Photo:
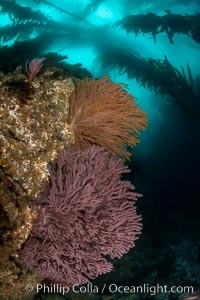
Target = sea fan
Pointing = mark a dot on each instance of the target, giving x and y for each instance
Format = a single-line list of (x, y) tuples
[(85, 212), (103, 114)]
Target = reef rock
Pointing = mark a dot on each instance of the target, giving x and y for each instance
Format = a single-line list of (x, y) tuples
[(33, 130)]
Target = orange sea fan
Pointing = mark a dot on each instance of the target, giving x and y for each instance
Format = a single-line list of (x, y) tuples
[(102, 113)]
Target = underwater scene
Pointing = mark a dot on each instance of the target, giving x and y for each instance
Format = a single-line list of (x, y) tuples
[(99, 150)]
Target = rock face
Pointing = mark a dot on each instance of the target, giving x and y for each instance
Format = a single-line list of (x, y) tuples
[(33, 130), (33, 127)]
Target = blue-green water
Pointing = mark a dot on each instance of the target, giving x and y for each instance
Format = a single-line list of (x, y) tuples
[(165, 165)]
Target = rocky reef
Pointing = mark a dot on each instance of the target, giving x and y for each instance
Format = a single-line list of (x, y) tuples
[(33, 130), (42, 117)]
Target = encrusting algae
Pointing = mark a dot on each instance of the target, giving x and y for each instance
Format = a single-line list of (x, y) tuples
[(33, 126), (33, 130), (16, 223)]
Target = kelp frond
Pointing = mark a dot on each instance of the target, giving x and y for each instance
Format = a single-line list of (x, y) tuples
[(170, 23), (157, 74)]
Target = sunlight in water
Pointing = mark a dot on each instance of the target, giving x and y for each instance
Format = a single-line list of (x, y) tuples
[(5, 20), (104, 12)]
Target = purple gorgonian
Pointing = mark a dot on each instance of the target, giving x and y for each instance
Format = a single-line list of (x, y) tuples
[(33, 67)]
